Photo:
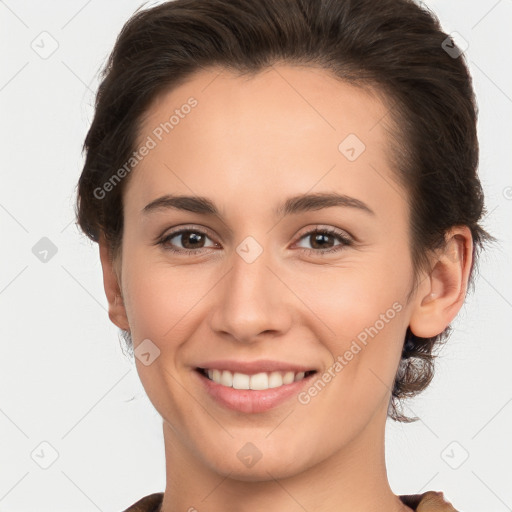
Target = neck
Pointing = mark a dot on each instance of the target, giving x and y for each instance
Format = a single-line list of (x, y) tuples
[(353, 478)]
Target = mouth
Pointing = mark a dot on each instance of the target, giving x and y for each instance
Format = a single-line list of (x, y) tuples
[(251, 393), (256, 382)]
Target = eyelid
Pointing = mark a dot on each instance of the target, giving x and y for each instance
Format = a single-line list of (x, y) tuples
[(331, 229), (186, 227)]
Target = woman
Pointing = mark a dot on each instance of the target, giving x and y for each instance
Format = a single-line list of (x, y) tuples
[(321, 156)]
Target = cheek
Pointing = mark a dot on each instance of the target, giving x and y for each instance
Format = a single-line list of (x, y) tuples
[(347, 300), (160, 298), (160, 303), (361, 315)]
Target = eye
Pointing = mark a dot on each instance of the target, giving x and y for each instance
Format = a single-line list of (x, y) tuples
[(192, 240), (321, 240)]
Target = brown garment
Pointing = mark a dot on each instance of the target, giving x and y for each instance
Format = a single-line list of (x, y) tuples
[(430, 501)]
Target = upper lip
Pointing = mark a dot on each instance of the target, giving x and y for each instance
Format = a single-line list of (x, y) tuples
[(252, 367)]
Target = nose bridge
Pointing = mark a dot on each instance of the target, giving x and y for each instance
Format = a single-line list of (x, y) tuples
[(250, 273), (251, 299)]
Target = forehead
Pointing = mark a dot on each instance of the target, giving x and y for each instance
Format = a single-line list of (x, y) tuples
[(285, 130)]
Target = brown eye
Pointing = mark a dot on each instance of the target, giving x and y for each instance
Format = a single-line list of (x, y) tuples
[(191, 241), (321, 240), (324, 241)]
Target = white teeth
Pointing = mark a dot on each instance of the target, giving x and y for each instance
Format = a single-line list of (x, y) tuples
[(258, 381), (275, 380), (226, 379), (241, 381), (288, 377), (299, 376)]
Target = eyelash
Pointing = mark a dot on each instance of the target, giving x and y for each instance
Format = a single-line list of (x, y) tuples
[(345, 241)]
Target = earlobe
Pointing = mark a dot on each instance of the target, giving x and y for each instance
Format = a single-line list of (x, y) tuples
[(116, 308), (441, 294)]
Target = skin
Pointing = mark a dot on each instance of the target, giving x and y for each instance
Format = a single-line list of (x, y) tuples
[(250, 143)]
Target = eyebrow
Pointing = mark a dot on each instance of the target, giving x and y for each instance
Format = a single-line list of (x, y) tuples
[(292, 205)]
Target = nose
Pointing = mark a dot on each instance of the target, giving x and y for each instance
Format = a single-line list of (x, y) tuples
[(252, 301)]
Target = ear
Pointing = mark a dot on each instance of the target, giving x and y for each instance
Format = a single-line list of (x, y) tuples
[(116, 308), (441, 294)]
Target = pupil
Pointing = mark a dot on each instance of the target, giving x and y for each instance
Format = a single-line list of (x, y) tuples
[(318, 238), (196, 237)]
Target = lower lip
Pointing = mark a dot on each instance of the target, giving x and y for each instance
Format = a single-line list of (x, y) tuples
[(248, 400)]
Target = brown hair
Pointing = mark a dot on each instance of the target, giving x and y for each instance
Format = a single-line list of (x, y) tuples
[(396, 48)]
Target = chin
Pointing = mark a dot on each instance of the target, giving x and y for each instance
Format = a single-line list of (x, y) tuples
[(260, 472), (251, 464)]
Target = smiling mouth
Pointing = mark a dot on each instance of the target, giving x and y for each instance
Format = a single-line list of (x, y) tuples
[(257, 381)]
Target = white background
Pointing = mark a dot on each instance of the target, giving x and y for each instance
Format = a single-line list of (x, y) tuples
[(63, 377)]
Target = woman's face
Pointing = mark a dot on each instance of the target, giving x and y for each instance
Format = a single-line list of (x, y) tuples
[(257, 279)]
